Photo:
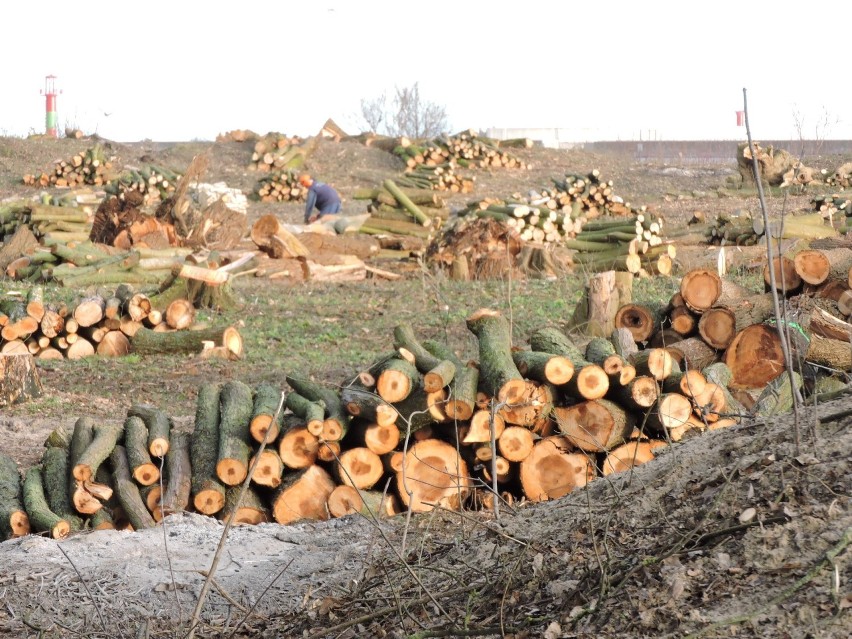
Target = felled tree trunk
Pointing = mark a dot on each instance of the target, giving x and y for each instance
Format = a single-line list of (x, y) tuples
[(208, 493), (14, 521), (594, 426), (498, 375), (303, 495), (433, 473), (19, 379), (235, 405)]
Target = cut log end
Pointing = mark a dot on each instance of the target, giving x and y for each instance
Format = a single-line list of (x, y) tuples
[(231, 471), (146, 474)]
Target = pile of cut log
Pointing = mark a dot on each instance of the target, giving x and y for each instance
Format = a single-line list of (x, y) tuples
[(466, 149), (423, 427), (281, 186), (90, 166), (402, 211), (442, 177), (109, 324), (278, 151), (155, 183), (237, 135), (741, 228), (60, 220)]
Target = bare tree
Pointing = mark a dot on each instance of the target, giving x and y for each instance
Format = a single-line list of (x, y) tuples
[(407, 114)]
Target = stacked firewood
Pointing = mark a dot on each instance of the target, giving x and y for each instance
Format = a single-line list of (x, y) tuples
[(711, 320), (237, 135), (842, 176), (402, 211), (741, 228), (277, 151), (440, 177), (59, 221), (155, 183), (106, 324), (87, 167), (281, 186), (835, 207), (466, 149)]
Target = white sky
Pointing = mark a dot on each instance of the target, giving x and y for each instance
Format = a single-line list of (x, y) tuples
[(604, 69)]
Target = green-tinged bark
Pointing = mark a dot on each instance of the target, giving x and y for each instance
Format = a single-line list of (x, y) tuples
[(159, 426), (142, 467), (336, 420), (208, 493), (55, 474), (14, 521), (42, 519), (266, 418), (235, 410), (104, 438), (128, 492), (498, 375)]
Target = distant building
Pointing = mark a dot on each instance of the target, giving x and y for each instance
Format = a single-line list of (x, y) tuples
[(556, 138)]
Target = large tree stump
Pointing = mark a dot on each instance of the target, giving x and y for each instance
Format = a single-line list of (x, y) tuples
[(603, 295), (19, 379)]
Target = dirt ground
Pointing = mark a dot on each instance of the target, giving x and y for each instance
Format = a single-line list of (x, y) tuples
[(742, 532)]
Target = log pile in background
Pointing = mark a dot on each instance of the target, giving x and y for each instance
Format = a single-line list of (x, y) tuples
[(110, 324), (277, 151), (402, 211), (466, 149), (281, 186), (742, 228), (51, 220), (155, 183), (237, 135), (91, 166)]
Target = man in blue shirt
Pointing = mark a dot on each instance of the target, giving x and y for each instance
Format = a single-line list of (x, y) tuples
[(320, 195)]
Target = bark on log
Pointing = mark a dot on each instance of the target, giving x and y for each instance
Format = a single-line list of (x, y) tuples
[(396, 380), (178, 476), (142, 468), (589, 380), (312, 413), (498, 375), (462, 401), (159, 426), (104, 438), (41, 518), (55, 473), (149, 342), (235, 409), (552, 470), (128, 492), (544, 367), (639, 319), (19, 379), (14, 521), (336, 421), (208, 493), (266, 418), (694, 353)]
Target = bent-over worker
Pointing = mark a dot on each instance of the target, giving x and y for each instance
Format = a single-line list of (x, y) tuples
[(320, 195)]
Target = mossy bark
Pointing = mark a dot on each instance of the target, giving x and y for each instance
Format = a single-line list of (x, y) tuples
[(104, 438), (311, 412), (159, 426), (235, 410), (498, 375), (208, 493), (265, 417), (128, 492), (142, 467), (336, 420), (178, 475), (56, 473), (14, 521), (462, 400), (42, 519)]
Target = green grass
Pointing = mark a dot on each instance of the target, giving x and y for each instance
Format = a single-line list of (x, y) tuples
[(327, 332)]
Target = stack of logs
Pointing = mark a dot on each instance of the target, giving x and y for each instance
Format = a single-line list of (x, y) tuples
[(67, 220), (87, 167), (155, 183), (560, 212), (466, 149), (419, 428), (741, 228), (711, 320), (277, 151), (402, 211), (107, 324), (281, 186)]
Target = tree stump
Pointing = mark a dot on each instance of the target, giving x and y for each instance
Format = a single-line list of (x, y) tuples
[(19, 379)]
